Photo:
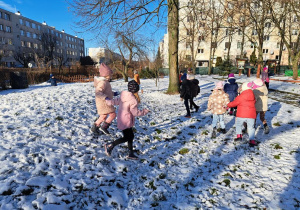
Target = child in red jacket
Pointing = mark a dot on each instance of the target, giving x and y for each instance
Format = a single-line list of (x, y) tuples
[(246, 112)]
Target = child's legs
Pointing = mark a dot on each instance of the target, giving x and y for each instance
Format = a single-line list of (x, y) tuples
[(215, 120), (111, 117), (222, 124), (238, 124), (186, 103), (100, 119), (250, 128), (262, 116), (127, 136)]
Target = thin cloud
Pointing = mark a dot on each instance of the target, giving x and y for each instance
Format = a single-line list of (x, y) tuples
[(7, 6)]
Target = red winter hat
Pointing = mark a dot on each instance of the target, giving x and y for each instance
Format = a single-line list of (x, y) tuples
[(105, 70)]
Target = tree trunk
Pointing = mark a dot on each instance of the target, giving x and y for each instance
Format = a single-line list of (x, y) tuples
[(259, 62), (125, 74), (173, 25), (295, 66)]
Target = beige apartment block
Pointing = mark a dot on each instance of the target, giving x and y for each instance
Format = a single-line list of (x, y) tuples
[(19, 34), (197, 39)]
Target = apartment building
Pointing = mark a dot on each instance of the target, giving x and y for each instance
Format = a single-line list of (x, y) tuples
[(24, 37), (197, 39)]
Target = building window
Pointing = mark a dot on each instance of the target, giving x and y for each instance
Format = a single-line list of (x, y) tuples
[(29, 44), (6, 16), (8, 29), (254, 32), (239, 45), (22, 33), (278, 45), (227, 45), (201, 38), (268, 25), (277, 57), (22, 43), (189, 18), (295, 18), (242, 19), (39, 27), (21, 21), (188, 32), (200, 50), (28, 34), (253, 45), (213, 45), (9, 41), (294, 32), (188, 57), (266, 38), (227, 31), (27, 23), (1, 27), (188, 44), (35, 46), (34, 36), (265, 51), (33, 25), (2, 40)]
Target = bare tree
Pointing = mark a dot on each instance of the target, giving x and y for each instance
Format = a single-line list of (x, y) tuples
[(100, 14), (286, 16), (215, 16), (129, 46), (258, 16), (24, 57), (192, 24)]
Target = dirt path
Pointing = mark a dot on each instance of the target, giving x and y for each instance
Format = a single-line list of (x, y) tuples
[(285, 97)]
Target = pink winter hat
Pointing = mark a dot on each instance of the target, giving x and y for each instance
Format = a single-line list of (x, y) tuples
[(105, 70), (231, 75), (219, 85), (265, 69)]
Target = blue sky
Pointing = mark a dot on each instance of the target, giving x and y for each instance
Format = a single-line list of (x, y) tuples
[(53, 12), (56, 13)]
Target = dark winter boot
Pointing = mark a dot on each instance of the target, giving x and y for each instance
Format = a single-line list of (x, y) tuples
[(214, 133), (266, 128), (239, 137), (108, 149), (223, 130), (197, 108), (95, 129), (252, 143), (104, 126)]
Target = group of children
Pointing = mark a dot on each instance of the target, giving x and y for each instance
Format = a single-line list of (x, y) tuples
[(128, 109), (249, 100), (245, 102)]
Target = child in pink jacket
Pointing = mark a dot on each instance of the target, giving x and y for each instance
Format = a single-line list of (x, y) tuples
[(128, 110), (102, 91)]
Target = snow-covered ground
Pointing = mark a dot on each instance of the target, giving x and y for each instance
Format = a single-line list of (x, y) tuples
[(50, 160)]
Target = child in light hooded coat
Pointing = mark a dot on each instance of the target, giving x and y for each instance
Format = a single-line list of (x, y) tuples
[(103, 90), (128, 110)]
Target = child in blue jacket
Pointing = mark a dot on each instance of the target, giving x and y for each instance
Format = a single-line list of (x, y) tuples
[(231, 88)]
